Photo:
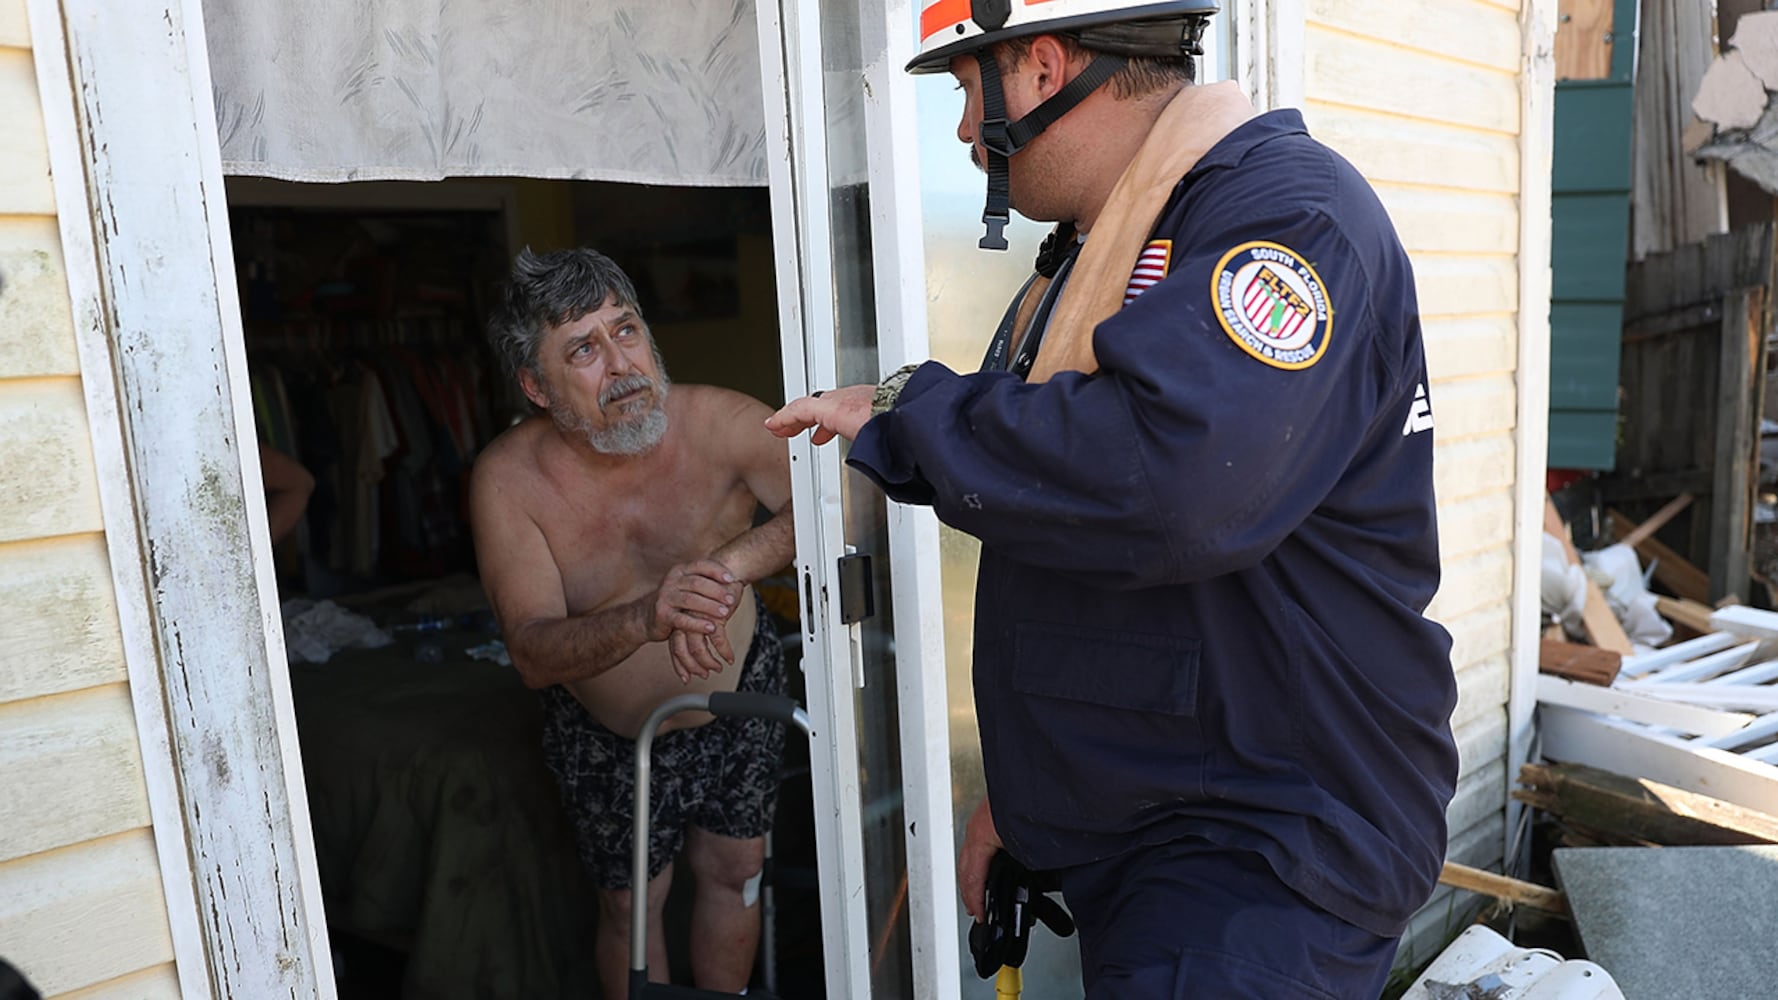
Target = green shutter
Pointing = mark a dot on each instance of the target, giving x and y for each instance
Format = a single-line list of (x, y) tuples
[(1589, 245)]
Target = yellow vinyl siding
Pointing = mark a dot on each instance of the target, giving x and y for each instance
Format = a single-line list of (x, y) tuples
[(84, 914), (1425, 99), (71, 769), (39, 336), (48, 485), (157, 983), (24, 162), (15, 33), (82, 910), (61, 614)]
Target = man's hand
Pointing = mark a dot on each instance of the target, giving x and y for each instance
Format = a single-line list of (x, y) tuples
[(689, 610), (836, 412), (980, 841)]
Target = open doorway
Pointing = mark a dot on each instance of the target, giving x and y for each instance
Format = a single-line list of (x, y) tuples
[(446, 862)]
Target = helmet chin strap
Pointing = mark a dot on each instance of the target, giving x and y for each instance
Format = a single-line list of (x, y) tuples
[(1001, 139)]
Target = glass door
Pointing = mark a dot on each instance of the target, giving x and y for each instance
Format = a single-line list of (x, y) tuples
[(839, 127)]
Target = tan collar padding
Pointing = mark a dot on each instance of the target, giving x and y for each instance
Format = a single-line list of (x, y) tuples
[(1196, 119)]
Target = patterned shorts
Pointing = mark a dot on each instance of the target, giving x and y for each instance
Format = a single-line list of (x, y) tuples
[(721, 776)]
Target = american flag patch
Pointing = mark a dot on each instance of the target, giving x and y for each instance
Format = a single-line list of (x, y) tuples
[(1151, 266)]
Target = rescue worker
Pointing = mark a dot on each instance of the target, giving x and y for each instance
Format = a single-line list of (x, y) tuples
[(1199, 460)]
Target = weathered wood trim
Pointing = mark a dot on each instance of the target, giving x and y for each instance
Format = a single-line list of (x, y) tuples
[(1537, 123), (1269, 52), (1740, 384), (139, 197), (75, 217)]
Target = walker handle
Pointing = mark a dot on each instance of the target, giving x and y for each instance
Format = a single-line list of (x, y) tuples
[(754, 703)]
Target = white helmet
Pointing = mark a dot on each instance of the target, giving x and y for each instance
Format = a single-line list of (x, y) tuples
[(957, 27), (1113, 30)]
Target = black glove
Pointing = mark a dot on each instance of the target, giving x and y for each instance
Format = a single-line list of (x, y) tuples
[(1015, 901)]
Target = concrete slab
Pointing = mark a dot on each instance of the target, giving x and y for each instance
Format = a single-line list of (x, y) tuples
[(1670, 922)]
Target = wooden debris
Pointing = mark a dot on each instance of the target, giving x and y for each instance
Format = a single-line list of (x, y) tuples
[(1587, 664), (1656, 521), (1597, 620), (1671, 569), (1682, 611), (1642, 704), (1750, 622), (1504, 888), (1630, 809)]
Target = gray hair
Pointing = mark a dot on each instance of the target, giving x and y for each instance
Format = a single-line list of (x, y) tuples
[(548, 290)]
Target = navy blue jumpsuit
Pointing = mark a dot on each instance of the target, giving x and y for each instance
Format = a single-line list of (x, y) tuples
[(1200, 654)]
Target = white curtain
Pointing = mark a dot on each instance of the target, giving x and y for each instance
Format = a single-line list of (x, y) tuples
[(649, 91)]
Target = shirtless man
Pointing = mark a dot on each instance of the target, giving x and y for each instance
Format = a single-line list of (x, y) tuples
[(615, 542)]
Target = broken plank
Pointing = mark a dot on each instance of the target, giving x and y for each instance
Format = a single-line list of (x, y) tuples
[(1671, 570), (1639, 808), (1587, 664), (1742, 620), (1503, 887), (1579, 737), (1638, 706), (1645, 663), (1681, 611), (1753, 698), (1657, 520), (1701, 668)]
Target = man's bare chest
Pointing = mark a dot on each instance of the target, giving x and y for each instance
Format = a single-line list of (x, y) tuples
[(614, 546)]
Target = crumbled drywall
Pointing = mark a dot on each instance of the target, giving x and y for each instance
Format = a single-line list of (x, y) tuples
[(1738, 120)]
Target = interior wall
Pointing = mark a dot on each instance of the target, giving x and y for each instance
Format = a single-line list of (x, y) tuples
[(702, 263), (337, 277)]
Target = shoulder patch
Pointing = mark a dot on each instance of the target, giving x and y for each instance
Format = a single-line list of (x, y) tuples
[(1151, 267), (1272, 304)]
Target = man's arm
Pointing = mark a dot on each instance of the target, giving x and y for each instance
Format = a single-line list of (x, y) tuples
[(287, 489), (764, 466), (1183, 457), (546, 643)]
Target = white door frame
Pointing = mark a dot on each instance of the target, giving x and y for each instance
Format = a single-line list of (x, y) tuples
[(138, 178), (793, 82), (898, 249), (796, 157), (1267, 60), (1537, 129)]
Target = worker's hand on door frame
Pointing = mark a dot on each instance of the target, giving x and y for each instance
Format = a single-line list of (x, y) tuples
[(980, 841), (835, 412)]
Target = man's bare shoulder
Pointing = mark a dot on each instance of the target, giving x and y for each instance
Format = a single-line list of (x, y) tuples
[(714, 408), (513, 456)]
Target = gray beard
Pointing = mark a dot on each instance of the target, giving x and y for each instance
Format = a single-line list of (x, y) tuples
[(633, 438), (625, 439)]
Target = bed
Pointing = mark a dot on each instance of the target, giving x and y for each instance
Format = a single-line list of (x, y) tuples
[(437, 827)]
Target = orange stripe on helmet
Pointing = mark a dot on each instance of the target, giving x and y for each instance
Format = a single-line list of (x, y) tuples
[(942, 14)]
